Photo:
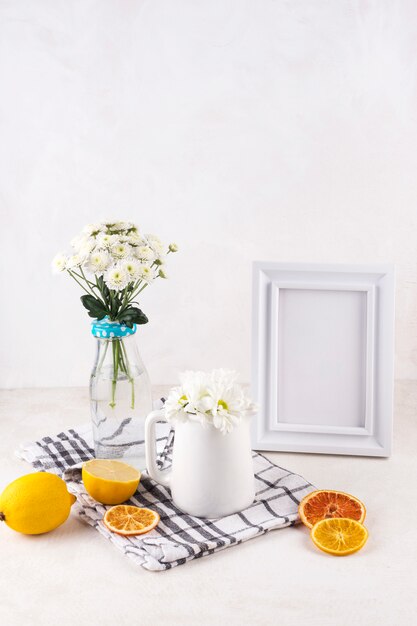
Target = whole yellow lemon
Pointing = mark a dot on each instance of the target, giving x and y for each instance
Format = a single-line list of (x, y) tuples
[(109, 481), (36, 503)]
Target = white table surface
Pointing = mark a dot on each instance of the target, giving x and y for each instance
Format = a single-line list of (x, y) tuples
[(74, 576)]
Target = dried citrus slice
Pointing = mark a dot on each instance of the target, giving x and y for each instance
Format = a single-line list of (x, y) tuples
[(109, 481), (327, 504), (339, 535), (130, 520)]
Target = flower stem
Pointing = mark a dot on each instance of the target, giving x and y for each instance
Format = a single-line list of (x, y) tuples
[(121, 362), (102, 358), (92, 286), (129, 374), (136, 289), (80, 284), (115, 347)]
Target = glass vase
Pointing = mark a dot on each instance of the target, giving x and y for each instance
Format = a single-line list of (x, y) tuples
[(120, 395)]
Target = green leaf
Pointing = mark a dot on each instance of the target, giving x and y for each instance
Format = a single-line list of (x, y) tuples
[(94, 307), (103, 288), (132, 315)]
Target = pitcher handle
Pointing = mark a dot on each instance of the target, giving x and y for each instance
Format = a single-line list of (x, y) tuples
[(161, 477)]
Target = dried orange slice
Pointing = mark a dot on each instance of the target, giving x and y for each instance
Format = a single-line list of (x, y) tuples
[(124, 519), (339, 536), (327, 504)]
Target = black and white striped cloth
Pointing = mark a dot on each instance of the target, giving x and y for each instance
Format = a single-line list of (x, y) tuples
[(179, 537)]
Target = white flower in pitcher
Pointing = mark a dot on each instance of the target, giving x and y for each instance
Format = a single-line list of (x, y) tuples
[(196, 388), (59, 263), (211, 398), (230, 402), (224, 419), (176, 406), (173, 247), (116, 278), (98, 262)]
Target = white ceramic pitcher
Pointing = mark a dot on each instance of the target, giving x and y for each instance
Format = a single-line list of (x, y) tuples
[(212, 474)]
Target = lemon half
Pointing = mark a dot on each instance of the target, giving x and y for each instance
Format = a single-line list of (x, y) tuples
[(109, 481)]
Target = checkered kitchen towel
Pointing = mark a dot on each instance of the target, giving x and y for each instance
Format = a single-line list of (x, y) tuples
[(179, 537)]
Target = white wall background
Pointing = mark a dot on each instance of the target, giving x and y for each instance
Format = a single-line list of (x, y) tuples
[(256, 129)]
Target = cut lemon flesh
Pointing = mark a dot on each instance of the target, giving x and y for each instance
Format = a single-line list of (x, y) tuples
[(111, 470), (327, 504), (130, 520), (339, 536), (109, 481)]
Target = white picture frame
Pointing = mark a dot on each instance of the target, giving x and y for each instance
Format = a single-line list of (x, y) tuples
[(323, 358)]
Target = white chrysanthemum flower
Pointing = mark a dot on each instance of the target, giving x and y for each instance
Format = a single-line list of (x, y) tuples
[(117, 227), (104, 240), (145, 253), (92, 230), (74, 261), (145, 273), (135, 239), (176, 406), (196, 388), (213, 398), (225, 421), (98, 262), (132, 268), (154, 238), (83, 245), (190, 401), (156, 244), (120, 250), (86, 248), (78, 241), (116, 278), (230, 402), (59, 263)]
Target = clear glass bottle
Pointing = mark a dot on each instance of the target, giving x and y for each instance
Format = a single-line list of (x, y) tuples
[(120, 395)]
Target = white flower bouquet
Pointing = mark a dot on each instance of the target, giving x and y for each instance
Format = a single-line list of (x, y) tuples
[(209, 398), (113, 263)]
